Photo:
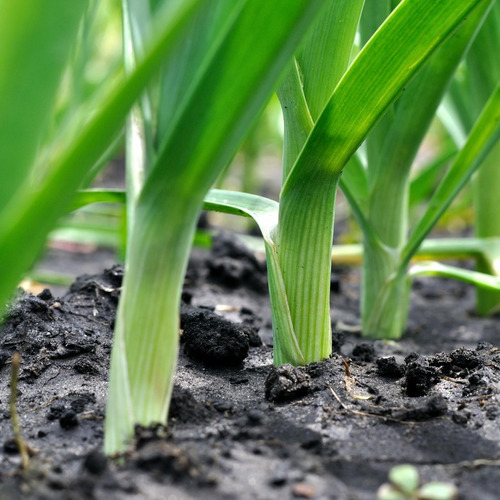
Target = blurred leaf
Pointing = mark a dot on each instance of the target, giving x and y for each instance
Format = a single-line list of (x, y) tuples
[(482, 138), (438, 491), (405, 477), (36, 37)]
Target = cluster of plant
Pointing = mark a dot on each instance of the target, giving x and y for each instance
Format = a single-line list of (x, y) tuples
[(359, 83)]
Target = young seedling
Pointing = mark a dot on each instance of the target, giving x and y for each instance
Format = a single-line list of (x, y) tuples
[(404, 485)]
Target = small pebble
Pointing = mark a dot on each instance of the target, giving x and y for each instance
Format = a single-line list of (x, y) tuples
[(303, 490)]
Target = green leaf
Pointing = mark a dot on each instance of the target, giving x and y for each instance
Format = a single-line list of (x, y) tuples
[(262, 210), (389, 492), (33, 212), (36, 37), (354, 184), (90, 196), (482, 138), (326, 53), (311, 79), (405, 477), (265, 214), (438, 491), (424, 182), (430, 268)]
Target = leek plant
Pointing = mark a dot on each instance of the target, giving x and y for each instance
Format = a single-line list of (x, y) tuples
[(329, 109), (469, 91), (382, 210), (182, 133)]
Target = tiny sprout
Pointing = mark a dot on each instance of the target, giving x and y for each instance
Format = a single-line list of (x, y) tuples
[(404, 481)]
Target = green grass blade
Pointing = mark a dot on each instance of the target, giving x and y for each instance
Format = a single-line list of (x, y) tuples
[(486, 187), (354, 184), (139, 144), (192, 54), (482, 60), (375, 12), (262, 210), (36, 37), (297, 119), (321, 62), (482, 138), (484, 74)]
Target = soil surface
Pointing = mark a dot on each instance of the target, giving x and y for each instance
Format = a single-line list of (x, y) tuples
[(240, 428)]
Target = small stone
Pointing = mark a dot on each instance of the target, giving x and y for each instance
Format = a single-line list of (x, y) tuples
[(303, 490), (335, 284), (10, 447), (492, 412), (55, 411), (413, 356), (46, 295), (477, 378), (420, 379), (280, 476)]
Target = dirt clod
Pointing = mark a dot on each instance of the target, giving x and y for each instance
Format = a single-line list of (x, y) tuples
[(233, 264), (95, 462), (68, 419), (287, 382), (419, 379), (388, 367), (363, 352), (211, 339)]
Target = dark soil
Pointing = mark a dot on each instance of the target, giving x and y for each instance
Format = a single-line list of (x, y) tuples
[(238, 427)]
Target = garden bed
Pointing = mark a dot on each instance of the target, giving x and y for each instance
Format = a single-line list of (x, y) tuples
[(242, 429)]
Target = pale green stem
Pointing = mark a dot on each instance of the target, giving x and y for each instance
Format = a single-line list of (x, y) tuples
[(486, 195), (296, 117), (384, 298), (304, 245), (147, 325)]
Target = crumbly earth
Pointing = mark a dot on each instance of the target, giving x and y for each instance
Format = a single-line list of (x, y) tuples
[(238, 427)]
